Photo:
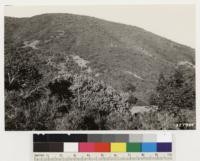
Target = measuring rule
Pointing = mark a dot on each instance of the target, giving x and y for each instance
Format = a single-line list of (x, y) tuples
[(110, 147)]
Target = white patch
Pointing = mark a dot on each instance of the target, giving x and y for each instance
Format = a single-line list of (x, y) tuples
[(133, 74), (89, 70), (139, 109), (143, 51), (142, 109), (186, 63), (146, 53), (47, 41), (97, 75), (61, 32), (113, 45), (81, 62), (31, 44)]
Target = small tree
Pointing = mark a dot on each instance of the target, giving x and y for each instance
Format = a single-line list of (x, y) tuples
[(175, 92), (21, 70)]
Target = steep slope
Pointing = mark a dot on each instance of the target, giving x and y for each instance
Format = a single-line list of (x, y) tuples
[(116, 53)]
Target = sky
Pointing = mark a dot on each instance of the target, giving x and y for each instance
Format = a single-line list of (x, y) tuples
[(175, 22)]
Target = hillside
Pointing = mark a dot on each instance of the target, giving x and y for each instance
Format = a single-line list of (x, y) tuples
[(115, 53)]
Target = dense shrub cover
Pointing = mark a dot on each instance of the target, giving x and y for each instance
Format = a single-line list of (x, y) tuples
[(175, 92), (42, 94)]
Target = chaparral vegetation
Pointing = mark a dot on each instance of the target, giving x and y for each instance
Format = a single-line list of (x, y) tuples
[(60, 76)]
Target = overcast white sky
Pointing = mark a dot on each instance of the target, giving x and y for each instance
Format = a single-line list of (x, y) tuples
[(175, 22)]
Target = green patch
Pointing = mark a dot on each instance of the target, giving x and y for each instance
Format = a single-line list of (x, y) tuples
[(133, 147)]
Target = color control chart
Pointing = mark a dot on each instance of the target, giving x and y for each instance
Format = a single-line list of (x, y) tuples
[(108, 147)]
